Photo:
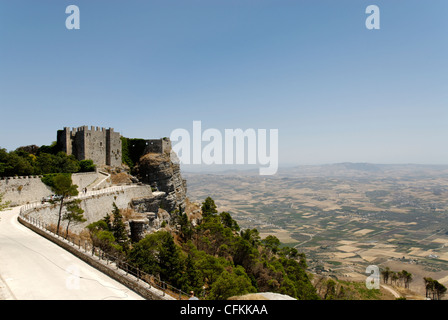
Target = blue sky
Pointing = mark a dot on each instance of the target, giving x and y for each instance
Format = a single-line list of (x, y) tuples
[(335, 90)]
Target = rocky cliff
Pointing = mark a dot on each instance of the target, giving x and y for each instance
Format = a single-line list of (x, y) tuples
[(162, 172)]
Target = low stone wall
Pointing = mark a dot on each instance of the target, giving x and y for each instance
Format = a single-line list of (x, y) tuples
[(22, 190), (85, 179), (95, 206), (27, 189), (138, 286)]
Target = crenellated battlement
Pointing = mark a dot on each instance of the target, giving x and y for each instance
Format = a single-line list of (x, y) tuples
[(101, 145), (162, 145)]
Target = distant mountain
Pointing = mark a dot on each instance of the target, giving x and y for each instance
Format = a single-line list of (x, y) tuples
[(364, 169)]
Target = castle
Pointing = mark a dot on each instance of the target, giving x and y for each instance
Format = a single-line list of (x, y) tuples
[(102, 146)]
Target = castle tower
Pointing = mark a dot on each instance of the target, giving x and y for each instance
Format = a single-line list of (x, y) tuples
[(102, 146)]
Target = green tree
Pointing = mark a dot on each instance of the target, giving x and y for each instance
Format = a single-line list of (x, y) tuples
[(212, 234), (386, 274), (272, 243), (228, 221), (434, 289), (170, 261), (429, 286), (97, 226), (330, 291), (394, 277), (407, 278), (103, 238), (64, 188), (86, 165), (208, 207), (439, 289), (186, 231), (18, 165), (67, 164), (74, 214), (230, 284), (118, 228), (191, 279), (144, 254)]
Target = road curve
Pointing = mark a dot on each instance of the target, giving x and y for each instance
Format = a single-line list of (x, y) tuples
[(34, 268), (395, 293)]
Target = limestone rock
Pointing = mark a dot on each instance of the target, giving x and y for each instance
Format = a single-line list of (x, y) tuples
[(162, 172)]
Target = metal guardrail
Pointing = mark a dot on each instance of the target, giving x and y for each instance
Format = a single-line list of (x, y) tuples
[(131, 271)]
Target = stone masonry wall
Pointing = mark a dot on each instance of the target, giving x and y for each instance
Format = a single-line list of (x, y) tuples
[(22, 190), (101, 145), (95, 207)]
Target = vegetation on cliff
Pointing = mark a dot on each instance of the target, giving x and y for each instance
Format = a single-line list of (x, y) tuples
[(214, 258), (131, 151)]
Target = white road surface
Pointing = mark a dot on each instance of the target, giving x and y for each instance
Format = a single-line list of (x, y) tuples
[(34, 268)]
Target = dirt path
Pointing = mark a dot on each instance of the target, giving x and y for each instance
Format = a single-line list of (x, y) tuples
[(395, 293)]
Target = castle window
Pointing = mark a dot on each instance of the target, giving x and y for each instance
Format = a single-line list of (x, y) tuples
[(101, 144)]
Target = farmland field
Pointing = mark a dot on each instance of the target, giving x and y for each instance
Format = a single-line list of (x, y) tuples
[(344, 216)]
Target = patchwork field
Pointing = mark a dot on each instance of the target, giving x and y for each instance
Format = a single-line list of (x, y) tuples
[(344, 216)]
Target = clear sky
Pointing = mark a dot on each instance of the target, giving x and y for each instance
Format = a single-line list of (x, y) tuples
[(335, 90)]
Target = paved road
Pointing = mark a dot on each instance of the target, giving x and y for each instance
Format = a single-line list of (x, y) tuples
[(32, 267)]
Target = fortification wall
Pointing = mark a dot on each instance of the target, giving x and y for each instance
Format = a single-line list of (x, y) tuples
[(85, 179), (158, 146), (95, 207), (101, 145), (22, 190), (113, 148), (95, 145)]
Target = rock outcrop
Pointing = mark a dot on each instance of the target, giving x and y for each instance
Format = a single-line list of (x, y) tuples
[(162, 172)]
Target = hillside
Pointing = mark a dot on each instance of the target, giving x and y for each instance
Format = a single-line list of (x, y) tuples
[(344, 217)]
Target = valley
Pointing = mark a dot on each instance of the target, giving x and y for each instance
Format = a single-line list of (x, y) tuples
[(345, 216)]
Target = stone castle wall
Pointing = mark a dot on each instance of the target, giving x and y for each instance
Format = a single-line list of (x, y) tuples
[(95, 207), (23, 190), (157, 146), (102, 146)]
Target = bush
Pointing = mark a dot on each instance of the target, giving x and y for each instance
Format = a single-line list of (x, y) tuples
[(87, 166)]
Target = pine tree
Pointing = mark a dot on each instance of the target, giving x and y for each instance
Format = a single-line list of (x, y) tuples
[(170, 261), (74, 214), (191, 278), (118, 228), (208, 207)]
